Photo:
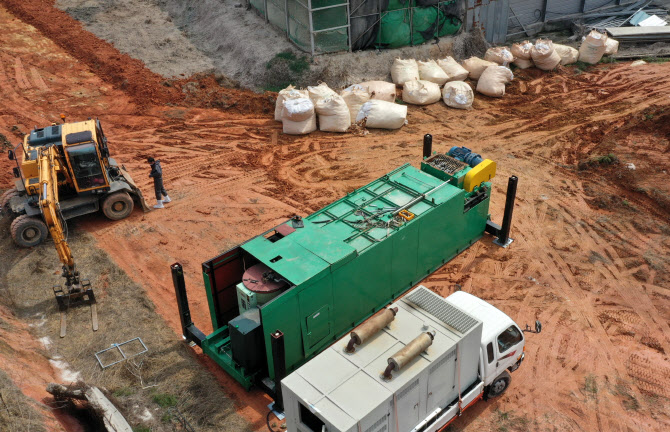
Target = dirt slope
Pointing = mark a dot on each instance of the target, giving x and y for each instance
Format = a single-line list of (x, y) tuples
[(590, 257)]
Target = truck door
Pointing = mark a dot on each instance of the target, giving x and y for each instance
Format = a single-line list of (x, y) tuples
[(509, 346)]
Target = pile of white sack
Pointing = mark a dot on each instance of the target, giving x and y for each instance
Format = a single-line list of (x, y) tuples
[(373, 101), (425, 83)]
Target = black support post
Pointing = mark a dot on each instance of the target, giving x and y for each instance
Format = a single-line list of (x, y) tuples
[(189, 330), (503, 235), (427, 145), (279, 362)]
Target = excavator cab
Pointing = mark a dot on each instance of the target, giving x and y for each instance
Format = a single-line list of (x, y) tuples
[(85, 162)]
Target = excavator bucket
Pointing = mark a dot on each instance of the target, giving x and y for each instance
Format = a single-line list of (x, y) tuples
[(136, 190), (66, 299)]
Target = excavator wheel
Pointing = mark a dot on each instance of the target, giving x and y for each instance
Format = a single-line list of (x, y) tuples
[(118, 205), (29, 231), (4, 200)]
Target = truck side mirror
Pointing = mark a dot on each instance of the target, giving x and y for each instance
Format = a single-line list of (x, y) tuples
[(10, 154), (16, 172)]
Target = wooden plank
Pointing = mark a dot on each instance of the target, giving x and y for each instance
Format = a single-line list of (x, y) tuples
[(638, 31)]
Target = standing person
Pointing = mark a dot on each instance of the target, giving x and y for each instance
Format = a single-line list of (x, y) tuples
[(157, 175)]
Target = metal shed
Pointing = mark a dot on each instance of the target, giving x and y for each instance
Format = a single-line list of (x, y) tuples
[(322, 26)]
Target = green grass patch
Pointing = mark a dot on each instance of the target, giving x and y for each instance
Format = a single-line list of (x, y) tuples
[(123, 392), (608, 60), (506, 421), (656, 59), (284, 69), (164, 400), (581, 66), (591, 385), (141, 429), (607, 159), (599, 160)]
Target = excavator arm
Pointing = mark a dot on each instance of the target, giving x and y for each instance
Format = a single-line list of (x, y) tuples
[(50, 209), (75, 291)]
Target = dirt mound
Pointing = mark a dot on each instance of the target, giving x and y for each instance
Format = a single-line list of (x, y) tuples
[(125, 73), (128, 74)]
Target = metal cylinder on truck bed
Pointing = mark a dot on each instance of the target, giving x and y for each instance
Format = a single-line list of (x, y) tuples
[(370, 328), (408, 353), (427, 145)]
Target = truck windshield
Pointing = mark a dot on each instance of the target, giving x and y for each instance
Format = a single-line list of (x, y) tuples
[(86, 166), (509, 338)]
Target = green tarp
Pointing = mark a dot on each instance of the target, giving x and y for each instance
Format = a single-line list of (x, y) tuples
[(427, 23)]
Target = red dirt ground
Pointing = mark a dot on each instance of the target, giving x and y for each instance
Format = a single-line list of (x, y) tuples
[(590, 257)]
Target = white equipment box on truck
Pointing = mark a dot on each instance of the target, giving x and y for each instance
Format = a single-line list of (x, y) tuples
[(416, 371)]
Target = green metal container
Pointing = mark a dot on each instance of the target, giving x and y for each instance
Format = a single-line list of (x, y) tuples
[(348, 261)]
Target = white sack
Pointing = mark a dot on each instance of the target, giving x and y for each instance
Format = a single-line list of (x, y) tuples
[(355, 96), (476, 66), (320, 92), (382, 115), (454, 71), (611, 46), (420, 92), (333, 114), (544, 55), (301, 127), (593, 47), (569, 55), (430, 71), (404, 70), (493, 80), (522, 50), (458, 94), (297, 110), (523, 64), (381, 90), (289, 92), (500, 55)]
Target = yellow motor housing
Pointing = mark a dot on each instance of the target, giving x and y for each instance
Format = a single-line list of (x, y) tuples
[(483, 172)]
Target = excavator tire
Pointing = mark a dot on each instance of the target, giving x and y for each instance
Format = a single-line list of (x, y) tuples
[(4, 200), (118, 205), (28, 231)]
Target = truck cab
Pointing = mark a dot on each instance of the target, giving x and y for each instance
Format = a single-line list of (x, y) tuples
[(502, 343)]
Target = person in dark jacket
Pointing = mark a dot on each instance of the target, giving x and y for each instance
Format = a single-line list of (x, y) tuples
[(157, 175)]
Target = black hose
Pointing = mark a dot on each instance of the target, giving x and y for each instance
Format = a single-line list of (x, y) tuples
[(267, 421)]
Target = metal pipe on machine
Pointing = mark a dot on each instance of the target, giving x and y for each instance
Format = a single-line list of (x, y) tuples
[(427, 145), (370, 328), (408, 353), (503, 235)]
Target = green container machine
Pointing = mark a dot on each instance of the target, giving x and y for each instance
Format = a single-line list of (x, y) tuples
[(284, 296)]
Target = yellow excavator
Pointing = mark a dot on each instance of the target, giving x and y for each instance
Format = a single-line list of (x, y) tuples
[(66, 172)]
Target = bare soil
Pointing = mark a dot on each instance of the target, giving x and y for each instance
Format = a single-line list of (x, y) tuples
[(592, 236), (176, 38)]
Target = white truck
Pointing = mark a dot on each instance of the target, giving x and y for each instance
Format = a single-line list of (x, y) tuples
[(413, 367)]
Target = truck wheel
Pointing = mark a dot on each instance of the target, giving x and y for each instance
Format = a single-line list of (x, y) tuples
[(118, 206), (4, 200), (28, 231), (499, 385)]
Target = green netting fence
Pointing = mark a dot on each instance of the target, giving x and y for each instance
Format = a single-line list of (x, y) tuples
[(322, 26)]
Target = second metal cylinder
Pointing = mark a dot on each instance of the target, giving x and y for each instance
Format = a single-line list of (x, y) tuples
[(408, 353), (427, 145)]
